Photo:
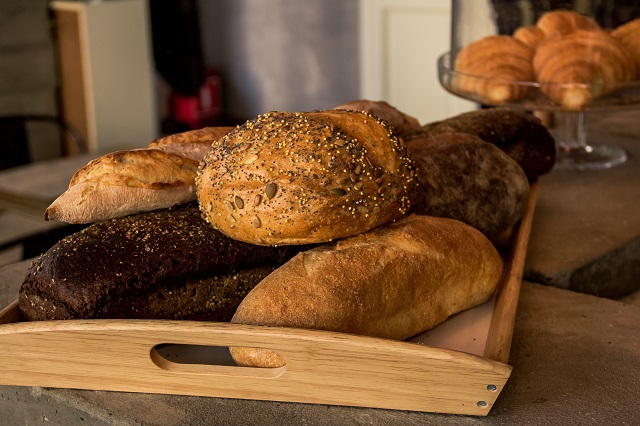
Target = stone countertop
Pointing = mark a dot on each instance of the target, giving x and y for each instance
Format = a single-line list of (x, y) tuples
[(586, 229), (30, 189)]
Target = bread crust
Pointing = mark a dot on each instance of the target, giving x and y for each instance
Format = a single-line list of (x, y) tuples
[(307, 177), (166, 264), (193, 144), (123, 183), (465, 178), (126, 182), (393, 282), (402, 123), (521, 135)]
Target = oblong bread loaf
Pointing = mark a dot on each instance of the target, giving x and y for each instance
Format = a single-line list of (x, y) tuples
[(521, 135), (393, 282), (134, 181), (193, 144), (123, 183), (403, 124), (165, 264)]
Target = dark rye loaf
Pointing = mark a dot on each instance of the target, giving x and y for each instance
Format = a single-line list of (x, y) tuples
[(465, 178), (166, 264), (519, 134)]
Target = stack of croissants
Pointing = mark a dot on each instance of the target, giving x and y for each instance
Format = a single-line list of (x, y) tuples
[(355, 219), (572, 58)]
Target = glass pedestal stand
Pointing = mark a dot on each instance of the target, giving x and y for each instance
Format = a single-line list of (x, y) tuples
[(575, 152)]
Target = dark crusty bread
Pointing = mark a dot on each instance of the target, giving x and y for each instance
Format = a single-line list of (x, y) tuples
[(163, 264), (465, 178), (308, 177), (392, 282), (402, 123), (519, 134)]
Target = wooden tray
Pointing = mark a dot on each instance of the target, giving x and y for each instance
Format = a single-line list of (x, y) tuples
[(459, 367)]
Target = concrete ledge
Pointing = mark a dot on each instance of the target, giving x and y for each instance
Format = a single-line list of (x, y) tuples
[(586, 229)]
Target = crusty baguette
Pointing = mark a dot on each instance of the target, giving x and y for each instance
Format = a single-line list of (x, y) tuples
[(125, 182), (306, 177), (393, 282)]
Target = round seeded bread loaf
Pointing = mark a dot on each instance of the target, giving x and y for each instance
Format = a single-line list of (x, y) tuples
[(298, 178)]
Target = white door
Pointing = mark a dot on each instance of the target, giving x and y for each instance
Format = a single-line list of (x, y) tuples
[(400, 42)]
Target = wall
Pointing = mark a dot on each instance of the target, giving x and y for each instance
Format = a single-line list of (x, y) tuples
[(27, 70), (282, 54)]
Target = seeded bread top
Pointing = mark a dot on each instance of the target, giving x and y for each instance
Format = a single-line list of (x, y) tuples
[(298, 178)]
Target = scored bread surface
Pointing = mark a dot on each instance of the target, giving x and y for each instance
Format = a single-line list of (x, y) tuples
[(393, 282)]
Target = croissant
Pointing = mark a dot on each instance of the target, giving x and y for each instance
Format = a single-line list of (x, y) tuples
[(561, 22), (490, 66), (629, 35), (577, 67), (530, 35)]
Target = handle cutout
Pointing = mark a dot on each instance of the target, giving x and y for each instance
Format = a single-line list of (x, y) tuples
[(205, 359)]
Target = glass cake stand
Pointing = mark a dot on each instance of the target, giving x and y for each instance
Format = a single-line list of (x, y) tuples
[(472, 20), (574, 149)]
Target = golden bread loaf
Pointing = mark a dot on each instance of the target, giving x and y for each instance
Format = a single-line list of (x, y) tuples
[(125, 182), (629, 35), (193, 144), (307, 177), (488, 67), (393, 282), (577, 67)]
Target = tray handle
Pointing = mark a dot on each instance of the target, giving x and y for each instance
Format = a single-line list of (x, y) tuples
[(322, 367)]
